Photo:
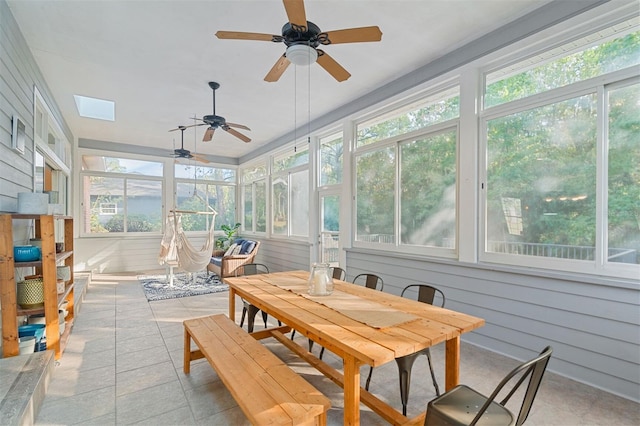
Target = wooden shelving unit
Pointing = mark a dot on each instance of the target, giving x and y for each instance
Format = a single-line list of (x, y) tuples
[(47, 267)]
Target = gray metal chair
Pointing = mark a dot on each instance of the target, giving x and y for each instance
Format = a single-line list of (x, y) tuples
[(338, 273), (370, 281), (249, 310), (463, 405), (426, 294)]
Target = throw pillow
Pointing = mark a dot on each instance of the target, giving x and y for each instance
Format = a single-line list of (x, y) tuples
[(230, 250), (247, 247), (236, 249)]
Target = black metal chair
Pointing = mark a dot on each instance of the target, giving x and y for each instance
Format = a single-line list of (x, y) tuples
[(425, 294), (338, 273), (249, 310), (370, 281), (463, 405)]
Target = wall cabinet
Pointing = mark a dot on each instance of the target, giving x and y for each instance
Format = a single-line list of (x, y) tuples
[(47, 267)]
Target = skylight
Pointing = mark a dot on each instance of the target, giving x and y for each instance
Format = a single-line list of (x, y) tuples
[(95, 108)]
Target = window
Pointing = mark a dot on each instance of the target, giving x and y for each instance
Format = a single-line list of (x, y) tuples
[(108, 208), (561, 166), (290, 194), (375, 199), (428, 190), (331, 156), (203, 189), (255, 198), (623, 160), (121, 195), (554, 68), (52, 157), (415, 167), (545, 158), (433, 110)]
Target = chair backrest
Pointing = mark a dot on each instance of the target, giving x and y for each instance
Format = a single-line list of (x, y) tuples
[(534, 370), (370, 281), (254, 268), (426, 293), (338, 273)]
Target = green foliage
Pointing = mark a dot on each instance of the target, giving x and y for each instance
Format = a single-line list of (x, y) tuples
[(135, 223), (229, 234)]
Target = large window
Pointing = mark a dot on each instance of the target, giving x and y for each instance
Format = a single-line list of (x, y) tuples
[(205, 189), (562, 166), (121, 195), (409, 158), (290, 193)]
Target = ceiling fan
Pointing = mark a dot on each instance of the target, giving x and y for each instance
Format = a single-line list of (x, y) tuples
[(302, 39), (215, 121), (185, 153)]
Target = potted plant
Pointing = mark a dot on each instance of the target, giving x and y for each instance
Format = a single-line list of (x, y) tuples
[(229, 234)]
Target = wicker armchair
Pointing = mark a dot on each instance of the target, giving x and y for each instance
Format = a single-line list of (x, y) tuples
[(226, 266)]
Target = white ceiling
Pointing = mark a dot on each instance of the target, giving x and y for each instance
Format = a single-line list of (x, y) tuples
[(155, 58)]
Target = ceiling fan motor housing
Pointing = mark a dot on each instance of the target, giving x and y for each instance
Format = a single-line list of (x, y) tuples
[(213, 120), (310, 36)]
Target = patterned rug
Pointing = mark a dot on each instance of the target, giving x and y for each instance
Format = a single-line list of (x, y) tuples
[(156, 287)]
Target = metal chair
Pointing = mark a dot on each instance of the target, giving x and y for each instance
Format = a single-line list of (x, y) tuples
[(370, 281), (463, 405), (426, 294), (248, 309), (338, 273)]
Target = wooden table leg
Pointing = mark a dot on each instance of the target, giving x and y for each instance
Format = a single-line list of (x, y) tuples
[(351, 391), (186, 367), (452, 363), (232, 304)]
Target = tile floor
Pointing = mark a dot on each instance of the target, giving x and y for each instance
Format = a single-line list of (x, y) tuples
[(123, 365)]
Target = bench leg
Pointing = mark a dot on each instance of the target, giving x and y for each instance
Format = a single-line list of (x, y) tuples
[(186, 367)]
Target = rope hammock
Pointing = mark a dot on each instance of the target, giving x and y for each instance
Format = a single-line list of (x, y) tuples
[(177, 250)]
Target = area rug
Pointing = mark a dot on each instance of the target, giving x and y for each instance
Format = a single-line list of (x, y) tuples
[(156, 287)]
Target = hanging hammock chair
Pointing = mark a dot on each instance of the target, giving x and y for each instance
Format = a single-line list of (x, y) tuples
[(177, 250)]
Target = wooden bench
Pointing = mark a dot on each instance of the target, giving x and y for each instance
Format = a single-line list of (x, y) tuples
[(265, 388)]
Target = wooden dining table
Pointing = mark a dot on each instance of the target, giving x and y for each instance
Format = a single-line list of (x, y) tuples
[(360, 325)]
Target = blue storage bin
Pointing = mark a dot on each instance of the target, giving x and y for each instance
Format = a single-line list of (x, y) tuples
[(36, 330)]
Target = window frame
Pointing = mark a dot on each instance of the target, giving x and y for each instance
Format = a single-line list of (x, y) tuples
[(599, 86), (125, 177), (431, 96), (286, 175)]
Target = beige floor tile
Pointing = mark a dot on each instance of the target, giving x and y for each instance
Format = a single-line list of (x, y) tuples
[(123, 345)]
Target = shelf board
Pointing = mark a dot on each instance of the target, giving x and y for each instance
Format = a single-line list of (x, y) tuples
[(35, 216), (37, 263)]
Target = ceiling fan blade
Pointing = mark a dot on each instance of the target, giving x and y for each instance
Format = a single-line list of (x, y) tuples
[(277, 70), (186, 127), (200, 158), (332, 67), (208, 135), (239, 126), (295, 12), (239, 35), (354, 35), (236, 134)]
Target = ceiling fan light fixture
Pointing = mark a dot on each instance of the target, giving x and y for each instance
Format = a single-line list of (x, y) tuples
[(301, 54)]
